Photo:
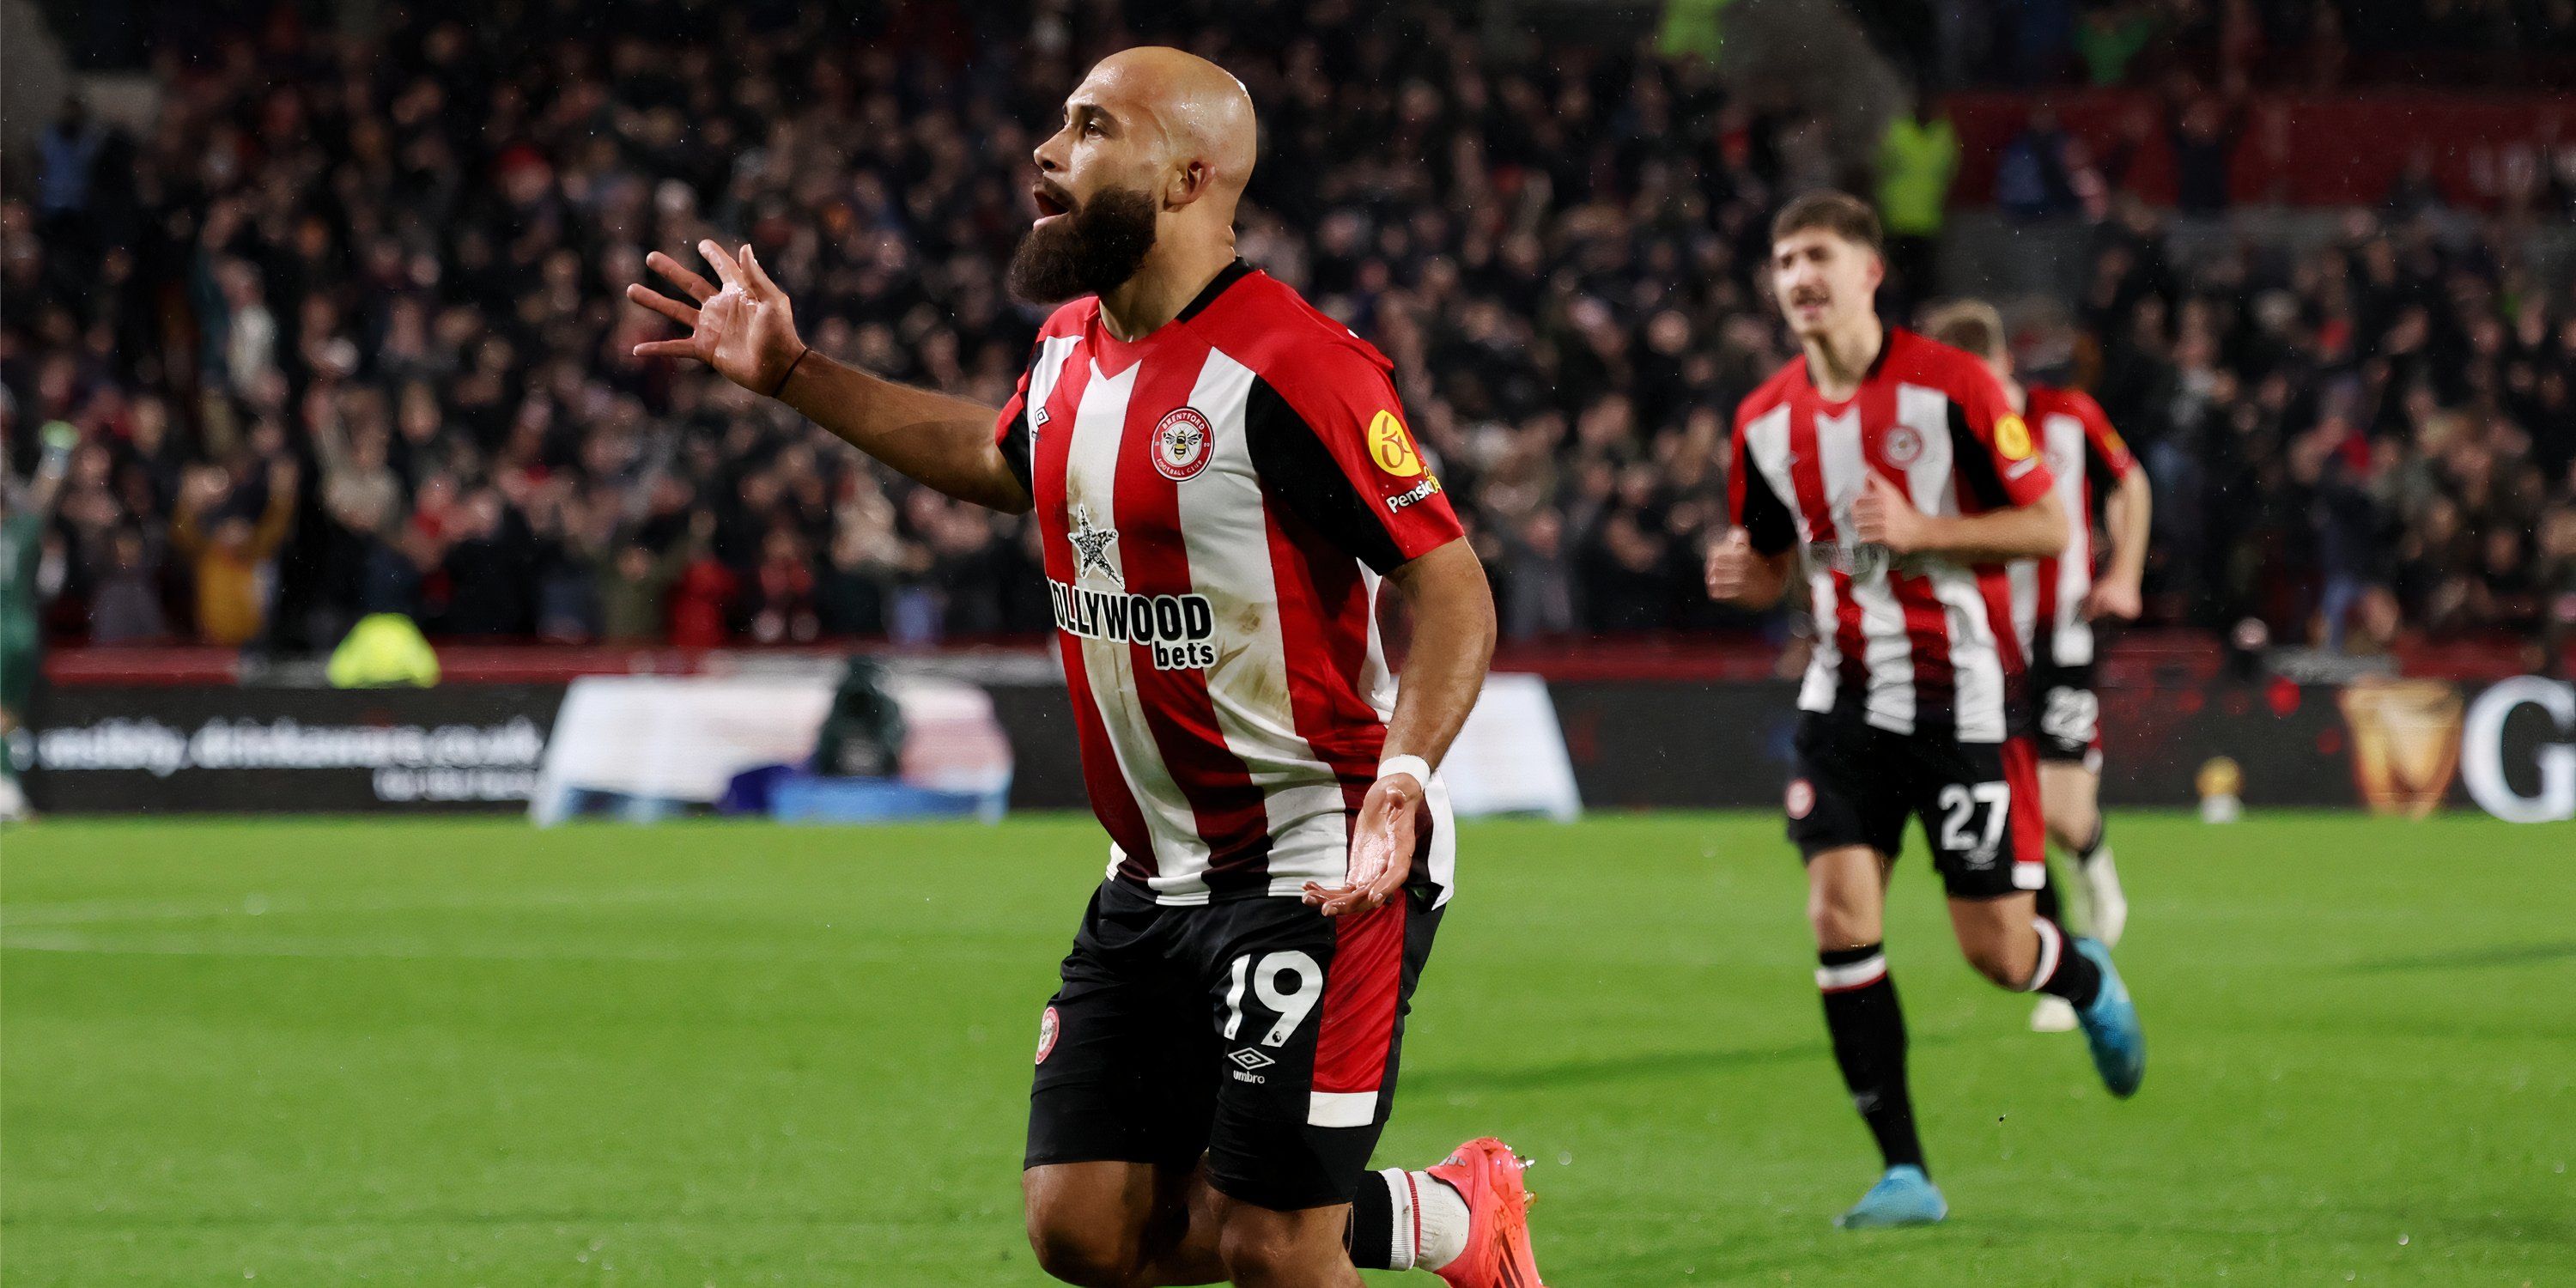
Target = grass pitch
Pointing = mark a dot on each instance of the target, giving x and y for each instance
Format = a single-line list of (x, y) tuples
[(472, 1053)]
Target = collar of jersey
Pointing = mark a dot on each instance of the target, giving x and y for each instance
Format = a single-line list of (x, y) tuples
[(1886, 345), (1114, 355)]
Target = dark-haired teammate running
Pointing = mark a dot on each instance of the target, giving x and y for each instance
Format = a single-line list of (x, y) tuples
[(1891, 468)]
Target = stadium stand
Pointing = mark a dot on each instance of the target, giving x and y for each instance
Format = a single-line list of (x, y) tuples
[(341, 332)]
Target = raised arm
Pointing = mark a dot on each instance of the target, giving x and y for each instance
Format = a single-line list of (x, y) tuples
[(52, 468), (1453, 642), (747, 332), (199, 490), (279, 518)]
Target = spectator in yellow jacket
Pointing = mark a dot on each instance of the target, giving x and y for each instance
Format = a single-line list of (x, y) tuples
[(228, 551)]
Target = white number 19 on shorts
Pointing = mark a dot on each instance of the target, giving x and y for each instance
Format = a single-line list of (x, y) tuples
[(1292, 1004)]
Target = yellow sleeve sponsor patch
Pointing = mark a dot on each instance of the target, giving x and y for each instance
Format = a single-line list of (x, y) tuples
[(1392, 448), (2012, 438)]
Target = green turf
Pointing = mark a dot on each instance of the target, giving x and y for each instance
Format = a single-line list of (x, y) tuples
[(438, 1053)]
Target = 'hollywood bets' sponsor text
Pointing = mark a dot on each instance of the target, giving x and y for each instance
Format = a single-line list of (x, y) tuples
[(1179, 629)]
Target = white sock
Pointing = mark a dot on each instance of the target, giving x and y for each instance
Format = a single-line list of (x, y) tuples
[(2110, 913), (1443, 1211), (1430, 1220), (2052, 945), (1400, 1186)]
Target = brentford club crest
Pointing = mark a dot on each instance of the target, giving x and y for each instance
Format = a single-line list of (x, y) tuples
[(1048, 1027), (1902, 446), (1801, 799), (1181, 444)]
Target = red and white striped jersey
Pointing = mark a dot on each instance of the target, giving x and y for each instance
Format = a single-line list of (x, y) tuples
[(1921, 643), (2089, 460), (1218, 501)]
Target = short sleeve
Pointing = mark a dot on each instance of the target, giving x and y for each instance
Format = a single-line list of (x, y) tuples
[(1011, 428), (1750, 502), (1329, 439), (2106, 455), (1998, 462)]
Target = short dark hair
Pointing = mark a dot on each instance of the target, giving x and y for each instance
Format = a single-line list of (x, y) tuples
[(1839, 213), (1972, 325)]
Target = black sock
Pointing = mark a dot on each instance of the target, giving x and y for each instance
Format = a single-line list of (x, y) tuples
[(1868, 1030), (1370, 1236), (2046, 901), (2062, 971)]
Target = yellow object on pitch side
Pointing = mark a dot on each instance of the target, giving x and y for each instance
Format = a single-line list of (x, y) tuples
[(382, 650)]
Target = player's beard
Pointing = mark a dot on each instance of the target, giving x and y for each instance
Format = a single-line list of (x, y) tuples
[(1094, 248)]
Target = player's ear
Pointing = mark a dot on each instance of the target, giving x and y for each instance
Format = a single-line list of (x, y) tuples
[(1189, 180), (1877, 269)]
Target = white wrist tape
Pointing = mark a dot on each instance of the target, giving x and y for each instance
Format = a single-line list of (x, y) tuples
[(1414, 765)]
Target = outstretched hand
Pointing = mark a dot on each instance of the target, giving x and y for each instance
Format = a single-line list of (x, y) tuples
[(1382, 841), (744, 329)]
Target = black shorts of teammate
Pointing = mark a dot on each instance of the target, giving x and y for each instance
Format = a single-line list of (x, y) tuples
[(2065, 722), (1258, 1032), (1856, 784)]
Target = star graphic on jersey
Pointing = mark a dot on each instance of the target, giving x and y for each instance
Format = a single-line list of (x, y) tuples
[(1091, 545)]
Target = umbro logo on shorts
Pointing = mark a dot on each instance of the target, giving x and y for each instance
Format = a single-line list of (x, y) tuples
[(1251, 1059)]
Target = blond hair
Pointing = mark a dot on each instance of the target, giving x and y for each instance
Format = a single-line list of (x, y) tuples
[(1973, 325)]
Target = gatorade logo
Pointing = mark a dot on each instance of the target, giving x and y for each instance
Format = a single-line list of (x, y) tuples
[(1391, 447), (2012, 438)]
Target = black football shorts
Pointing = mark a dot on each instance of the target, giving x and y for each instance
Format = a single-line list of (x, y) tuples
[(2065, 723), (1256, 1031), (1856, 784)]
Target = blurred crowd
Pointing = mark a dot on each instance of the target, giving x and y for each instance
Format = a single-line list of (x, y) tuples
[(2303, 44), (343, 333), (2372, 436)]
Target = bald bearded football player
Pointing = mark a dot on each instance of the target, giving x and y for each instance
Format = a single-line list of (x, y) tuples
[(1223, 479)]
